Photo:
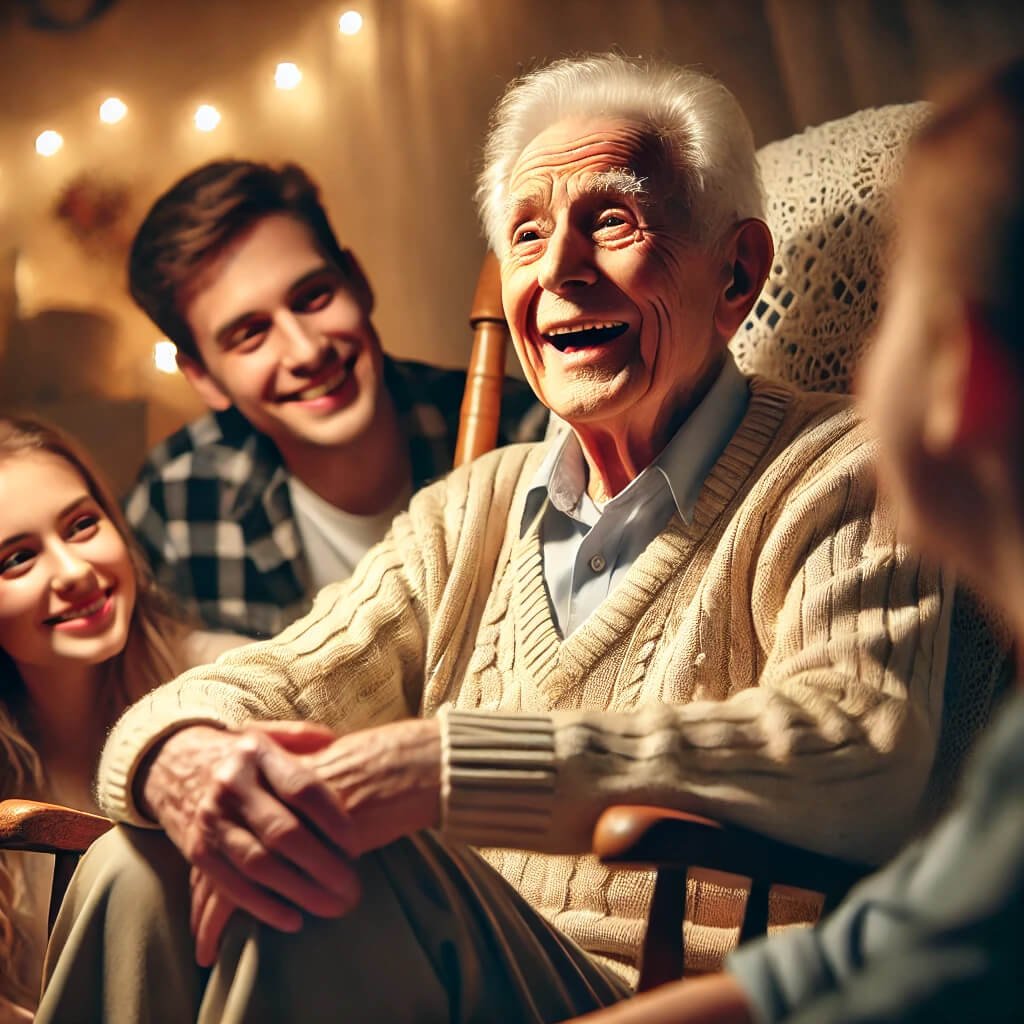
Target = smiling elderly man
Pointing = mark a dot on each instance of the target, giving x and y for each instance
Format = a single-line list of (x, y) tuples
[(695, 599)]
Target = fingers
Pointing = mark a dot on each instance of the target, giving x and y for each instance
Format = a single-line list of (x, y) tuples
[(298, 868), (248, 895), (217, 913), (246, 837), (258, 820), (299, 787), (297, 817), (211, 911), (296, 737)]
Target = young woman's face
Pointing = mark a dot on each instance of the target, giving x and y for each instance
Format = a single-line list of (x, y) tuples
[(67, 587)]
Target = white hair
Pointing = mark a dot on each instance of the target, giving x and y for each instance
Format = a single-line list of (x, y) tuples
[(706, 131)]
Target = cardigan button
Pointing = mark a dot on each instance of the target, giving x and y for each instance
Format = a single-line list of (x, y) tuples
[(597, 563)]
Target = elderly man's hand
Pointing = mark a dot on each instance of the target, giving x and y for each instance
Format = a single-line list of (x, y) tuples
[(255, 817), (387, 779)]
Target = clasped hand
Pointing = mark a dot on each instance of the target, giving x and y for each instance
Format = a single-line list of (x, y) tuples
[(272, 816)]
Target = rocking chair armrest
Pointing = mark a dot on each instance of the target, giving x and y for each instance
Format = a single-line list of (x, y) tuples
[(48, 828), (674, 841), (659, 837)]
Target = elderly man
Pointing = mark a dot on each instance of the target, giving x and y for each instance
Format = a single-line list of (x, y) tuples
[(696, 599)]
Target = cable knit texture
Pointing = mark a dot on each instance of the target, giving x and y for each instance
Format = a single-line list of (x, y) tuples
[(778, 662)]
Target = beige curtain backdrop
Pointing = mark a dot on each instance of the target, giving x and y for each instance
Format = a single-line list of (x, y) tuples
[(389, 121)]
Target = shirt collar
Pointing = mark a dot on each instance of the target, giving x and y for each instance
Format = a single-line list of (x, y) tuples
[(684, 463), (688, 457)]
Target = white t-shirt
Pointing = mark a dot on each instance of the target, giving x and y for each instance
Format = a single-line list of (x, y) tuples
[(335, 541)]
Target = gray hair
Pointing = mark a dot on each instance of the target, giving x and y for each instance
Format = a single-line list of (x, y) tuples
[(706, 131)]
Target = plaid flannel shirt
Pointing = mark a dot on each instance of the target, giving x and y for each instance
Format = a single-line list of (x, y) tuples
[(212, 510)]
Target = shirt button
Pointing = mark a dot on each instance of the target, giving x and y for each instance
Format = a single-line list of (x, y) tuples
[(597, 563)]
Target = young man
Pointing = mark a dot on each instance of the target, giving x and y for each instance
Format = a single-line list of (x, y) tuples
[(935, 936), (315, 439)]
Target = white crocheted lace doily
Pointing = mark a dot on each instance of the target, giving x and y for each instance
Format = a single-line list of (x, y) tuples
[(830, 211)]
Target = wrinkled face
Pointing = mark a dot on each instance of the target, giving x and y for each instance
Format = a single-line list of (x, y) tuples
[(285, 339), (610, 307), (67, 588)]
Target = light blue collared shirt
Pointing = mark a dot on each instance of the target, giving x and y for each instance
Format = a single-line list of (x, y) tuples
[(587, 550)]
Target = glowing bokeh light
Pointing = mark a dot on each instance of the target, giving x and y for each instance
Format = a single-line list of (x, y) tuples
[(165, 356), (287, 75), (350, 23), (113, 110), (207, 117), (49, 142)]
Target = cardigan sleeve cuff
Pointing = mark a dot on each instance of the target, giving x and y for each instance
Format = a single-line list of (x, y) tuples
[(497, 777), (130, 742)]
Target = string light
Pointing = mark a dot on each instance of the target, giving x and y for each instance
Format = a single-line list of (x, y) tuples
[(287, 75), (206, 117), (112, 110), (350, 23), (165, 356), (49, 142)]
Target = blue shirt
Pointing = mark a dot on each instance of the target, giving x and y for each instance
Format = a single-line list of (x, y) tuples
[(587, 550)]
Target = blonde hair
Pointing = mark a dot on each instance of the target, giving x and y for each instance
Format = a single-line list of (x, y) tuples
[(151, 655), (703, 127)]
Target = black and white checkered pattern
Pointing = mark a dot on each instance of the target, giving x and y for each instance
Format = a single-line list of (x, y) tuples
[(212, 510)]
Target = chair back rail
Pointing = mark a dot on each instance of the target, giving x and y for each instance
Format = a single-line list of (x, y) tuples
[(481, 402)]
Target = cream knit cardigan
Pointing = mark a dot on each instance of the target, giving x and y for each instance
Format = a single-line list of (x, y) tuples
[(777, 662)]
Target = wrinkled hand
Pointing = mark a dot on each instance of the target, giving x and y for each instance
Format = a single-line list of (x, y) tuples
[(256, 820), (386, 779)]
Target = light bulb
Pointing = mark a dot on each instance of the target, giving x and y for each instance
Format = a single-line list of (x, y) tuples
[(49, 142), (350, 23), (165, 356), (207, 117), (287, 75), (112, 110)]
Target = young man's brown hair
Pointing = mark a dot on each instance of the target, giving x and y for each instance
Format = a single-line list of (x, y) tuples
[(189, 227)]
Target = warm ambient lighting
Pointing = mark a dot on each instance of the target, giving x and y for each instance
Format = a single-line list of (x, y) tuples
[(287, 75), (207, 117), (350, 23), (112, 110), (164, 356), (49, 142)]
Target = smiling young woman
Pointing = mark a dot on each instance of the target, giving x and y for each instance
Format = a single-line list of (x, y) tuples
[(83, 633)]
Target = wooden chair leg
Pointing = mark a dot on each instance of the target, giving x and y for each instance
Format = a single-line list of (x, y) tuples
[(664, 955), (831, 901), (755, 915), (63, 868)]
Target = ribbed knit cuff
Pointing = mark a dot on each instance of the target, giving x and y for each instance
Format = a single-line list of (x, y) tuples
[(498, 777), (129, 743)]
